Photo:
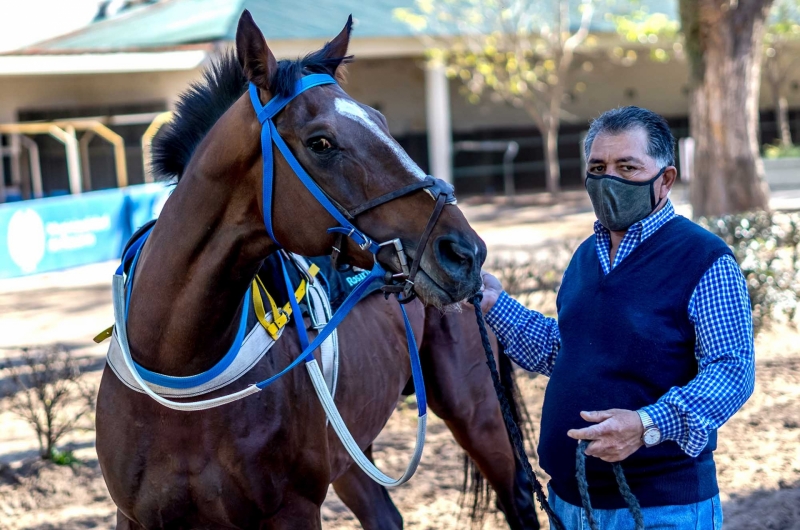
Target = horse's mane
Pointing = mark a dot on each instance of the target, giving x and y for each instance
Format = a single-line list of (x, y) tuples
[(223, 83)]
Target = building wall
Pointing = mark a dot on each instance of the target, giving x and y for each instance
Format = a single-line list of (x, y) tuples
[(397, 88), (63, 91)]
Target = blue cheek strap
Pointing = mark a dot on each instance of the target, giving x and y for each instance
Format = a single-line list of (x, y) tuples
[(270, 135)]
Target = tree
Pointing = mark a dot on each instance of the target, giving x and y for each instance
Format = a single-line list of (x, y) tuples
[(51, 395), (723, 41), (519, 52), (783, 29)]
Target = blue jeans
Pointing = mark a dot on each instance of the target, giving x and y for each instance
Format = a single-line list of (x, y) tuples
[(705, 515)]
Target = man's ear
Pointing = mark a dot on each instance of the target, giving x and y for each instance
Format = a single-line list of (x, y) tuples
[(254, 55), (336, 50), (668, 180)]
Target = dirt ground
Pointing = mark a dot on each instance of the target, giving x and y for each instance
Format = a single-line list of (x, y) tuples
[(759, 449)]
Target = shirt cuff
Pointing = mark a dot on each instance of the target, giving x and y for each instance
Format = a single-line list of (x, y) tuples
[(668, 420), (504, 314)]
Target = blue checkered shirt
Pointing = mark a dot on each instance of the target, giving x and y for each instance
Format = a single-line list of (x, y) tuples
[(720, 311)]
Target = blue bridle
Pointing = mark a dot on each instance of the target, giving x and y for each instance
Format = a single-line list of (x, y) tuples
[(269, 135), (441, 192)]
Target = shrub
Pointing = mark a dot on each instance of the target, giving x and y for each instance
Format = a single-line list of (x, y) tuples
[(51, 397), (767, 247), (779, 150)]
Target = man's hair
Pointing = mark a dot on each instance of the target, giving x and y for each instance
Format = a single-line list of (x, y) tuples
[(660, 142)]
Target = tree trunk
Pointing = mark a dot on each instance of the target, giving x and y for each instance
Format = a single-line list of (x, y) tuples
[(723, 41), (552, 167), (782, 114)]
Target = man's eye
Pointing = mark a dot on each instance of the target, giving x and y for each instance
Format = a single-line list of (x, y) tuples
[(597, 169), (319, 144)]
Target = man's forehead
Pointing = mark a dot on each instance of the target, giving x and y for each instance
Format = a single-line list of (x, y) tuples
[(620, 146)]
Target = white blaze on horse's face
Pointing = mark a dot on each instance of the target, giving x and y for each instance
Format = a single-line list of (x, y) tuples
[(352, 110)]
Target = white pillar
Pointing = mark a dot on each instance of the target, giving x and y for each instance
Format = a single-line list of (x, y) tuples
[(440, 137)]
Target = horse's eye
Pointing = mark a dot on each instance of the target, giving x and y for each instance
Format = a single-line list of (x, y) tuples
[(319, 144)]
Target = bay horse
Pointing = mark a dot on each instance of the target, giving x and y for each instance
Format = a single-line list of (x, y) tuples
[(459, 391), (265, 461)]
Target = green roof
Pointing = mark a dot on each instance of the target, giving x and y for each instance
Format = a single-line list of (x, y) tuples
[(172, 23)]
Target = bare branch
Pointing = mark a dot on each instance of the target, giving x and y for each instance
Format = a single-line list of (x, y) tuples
[(51, 396)]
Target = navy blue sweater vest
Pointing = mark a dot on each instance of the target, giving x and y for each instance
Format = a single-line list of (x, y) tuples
[(626, 339)]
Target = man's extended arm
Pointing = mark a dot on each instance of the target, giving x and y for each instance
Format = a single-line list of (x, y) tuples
[(531, 339), (720, 311)]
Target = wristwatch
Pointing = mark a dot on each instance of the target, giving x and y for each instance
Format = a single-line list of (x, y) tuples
[(651, 435)]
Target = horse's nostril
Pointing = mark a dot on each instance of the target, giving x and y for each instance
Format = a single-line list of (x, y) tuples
[(454, 256)]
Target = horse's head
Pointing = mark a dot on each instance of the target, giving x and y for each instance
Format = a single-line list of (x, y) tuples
[(347, 150)]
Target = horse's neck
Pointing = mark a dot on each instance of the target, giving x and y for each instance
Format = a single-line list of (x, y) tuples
[(197, 264)]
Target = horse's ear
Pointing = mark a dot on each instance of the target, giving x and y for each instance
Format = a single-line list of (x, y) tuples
[(337, 48), (254, 55)]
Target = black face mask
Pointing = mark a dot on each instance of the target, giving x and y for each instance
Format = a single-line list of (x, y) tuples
[(619, 203)]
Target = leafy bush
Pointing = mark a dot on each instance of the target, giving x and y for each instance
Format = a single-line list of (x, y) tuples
[(51, 397), (779, 150), (767, 248)]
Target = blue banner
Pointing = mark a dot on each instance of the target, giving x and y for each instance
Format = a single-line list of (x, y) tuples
[(60, 232)]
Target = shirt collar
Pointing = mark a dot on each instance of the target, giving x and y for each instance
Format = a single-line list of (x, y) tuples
[(647, 226)]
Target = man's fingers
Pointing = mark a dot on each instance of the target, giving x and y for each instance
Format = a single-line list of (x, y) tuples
[(596, 416), (587, 433), (595, 448)]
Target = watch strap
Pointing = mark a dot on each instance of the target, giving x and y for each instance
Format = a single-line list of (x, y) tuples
[(647, 421)]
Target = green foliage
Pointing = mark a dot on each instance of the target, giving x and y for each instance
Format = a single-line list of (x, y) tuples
[(767, 248), (783, 22), (63, 458), (516, 51), (656, 31), (778, 150)]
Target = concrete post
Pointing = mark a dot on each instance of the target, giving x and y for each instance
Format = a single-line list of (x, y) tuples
[(440, 136)]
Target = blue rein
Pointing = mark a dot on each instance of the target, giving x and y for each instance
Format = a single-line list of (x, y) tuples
[(269, 135)]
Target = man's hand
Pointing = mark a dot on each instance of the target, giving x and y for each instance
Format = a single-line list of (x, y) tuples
[(491, 290), (617, 435)]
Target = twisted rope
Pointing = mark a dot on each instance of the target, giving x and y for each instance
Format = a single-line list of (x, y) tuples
[(583, 488), (511, 426), (583, 484)]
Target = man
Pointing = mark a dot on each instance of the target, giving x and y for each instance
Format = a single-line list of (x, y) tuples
[(653, 347)]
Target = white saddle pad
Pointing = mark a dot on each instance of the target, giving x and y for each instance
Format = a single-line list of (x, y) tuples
[(255, 345)]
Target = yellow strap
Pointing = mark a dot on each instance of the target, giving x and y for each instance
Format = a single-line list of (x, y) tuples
[(273, 306), (280, 316), (103, 335)]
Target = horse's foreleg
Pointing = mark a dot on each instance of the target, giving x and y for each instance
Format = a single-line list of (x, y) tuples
[(123, 523), (368, 500), (295, 512)]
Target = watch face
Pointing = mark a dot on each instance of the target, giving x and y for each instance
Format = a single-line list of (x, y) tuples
[(652, 436)]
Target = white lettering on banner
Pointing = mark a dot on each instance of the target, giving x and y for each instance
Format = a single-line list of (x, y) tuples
[(58, 244), (26, 239), (96, 223), (76, 233)]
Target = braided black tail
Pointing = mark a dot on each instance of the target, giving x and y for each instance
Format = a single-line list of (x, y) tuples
[(511, 426)]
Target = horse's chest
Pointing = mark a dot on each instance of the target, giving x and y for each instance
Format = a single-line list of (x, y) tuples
[(226, 466)]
